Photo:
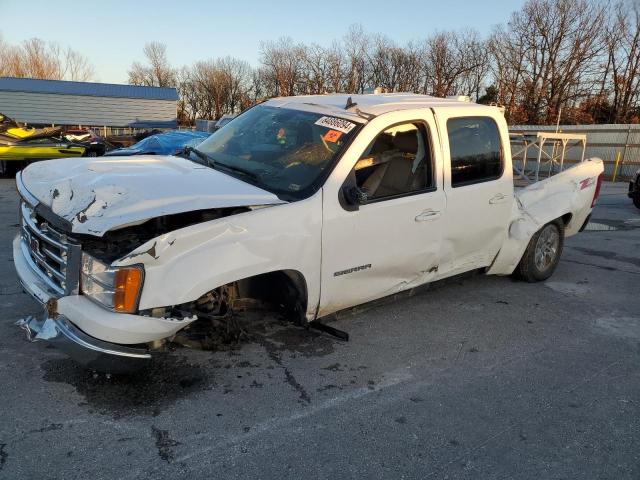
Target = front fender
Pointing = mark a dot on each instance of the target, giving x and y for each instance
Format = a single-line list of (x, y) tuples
[(182, 265)]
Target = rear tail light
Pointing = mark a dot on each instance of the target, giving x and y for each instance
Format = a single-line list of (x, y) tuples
[(596, 193)]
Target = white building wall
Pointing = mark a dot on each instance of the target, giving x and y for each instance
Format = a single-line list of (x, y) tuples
[(48, 108)]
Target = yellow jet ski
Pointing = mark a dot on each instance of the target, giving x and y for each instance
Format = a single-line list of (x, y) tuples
[(13, 130), (20, 143)]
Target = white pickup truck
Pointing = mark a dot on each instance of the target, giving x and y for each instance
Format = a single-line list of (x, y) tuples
[(315, 203)]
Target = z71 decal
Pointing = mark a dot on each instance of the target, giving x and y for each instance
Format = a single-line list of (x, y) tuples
[(587, 182), (351, 270)]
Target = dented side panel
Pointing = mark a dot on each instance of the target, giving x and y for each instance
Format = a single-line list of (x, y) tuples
[(568, 192), (386, 246), (182, 265)]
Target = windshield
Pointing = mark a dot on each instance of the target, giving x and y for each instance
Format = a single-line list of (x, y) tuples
[(287, 152)]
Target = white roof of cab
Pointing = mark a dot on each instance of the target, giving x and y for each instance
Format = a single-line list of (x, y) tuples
[(375, 104)]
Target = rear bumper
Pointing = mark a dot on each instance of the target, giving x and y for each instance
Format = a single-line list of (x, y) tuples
[(60, 331)]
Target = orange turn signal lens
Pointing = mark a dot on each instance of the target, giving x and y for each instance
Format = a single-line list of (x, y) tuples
[(127, 284)]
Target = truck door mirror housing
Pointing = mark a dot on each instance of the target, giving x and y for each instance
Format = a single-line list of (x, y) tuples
[(355, 196)]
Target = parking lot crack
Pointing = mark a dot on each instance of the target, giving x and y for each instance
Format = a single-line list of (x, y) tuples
[(289, 377)]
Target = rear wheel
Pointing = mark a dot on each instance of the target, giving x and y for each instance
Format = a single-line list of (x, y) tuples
[(542, 255)]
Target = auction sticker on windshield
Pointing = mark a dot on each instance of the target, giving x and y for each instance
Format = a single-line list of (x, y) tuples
[(332, 136), (345, 126)]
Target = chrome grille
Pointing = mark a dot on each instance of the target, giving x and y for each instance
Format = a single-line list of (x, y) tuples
[(54, 256)]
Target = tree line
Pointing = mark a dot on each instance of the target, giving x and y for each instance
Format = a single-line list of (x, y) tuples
[(573, 61), (35, 58)]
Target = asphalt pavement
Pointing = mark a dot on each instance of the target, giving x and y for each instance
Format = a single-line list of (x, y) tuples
[(475, 378)]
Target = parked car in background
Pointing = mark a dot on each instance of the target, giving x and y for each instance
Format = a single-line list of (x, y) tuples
[(634, 189), (224, 119), (314, 204), (168, 143), (126, 140)]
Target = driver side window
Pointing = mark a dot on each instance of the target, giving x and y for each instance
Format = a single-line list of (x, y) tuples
[(398, 162)]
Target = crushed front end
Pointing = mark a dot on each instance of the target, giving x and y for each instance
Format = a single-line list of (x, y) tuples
[(48, 263)]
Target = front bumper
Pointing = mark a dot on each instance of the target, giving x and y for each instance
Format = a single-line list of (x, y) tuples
[(58, 330), (88, 351)]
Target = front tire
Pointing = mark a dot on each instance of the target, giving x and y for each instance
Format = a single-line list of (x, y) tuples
[(542, 255)]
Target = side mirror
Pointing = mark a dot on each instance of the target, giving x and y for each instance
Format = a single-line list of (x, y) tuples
[(354, 195)]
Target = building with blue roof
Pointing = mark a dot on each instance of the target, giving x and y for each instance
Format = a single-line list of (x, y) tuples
[(87, 104)]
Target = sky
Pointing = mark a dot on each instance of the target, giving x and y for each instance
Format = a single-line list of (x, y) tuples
[(112, 33)]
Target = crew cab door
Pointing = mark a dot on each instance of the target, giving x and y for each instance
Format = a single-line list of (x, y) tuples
[(392, 242), (478, 184)]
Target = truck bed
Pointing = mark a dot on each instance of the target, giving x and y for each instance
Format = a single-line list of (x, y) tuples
[(567, 195)]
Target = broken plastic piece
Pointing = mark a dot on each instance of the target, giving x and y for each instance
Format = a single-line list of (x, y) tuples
[(340, 334)]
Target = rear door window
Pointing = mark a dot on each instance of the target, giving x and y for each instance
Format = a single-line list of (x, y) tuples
[(476, 150)]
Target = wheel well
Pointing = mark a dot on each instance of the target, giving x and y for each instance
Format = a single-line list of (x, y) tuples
[(285, 289), (566, 218)]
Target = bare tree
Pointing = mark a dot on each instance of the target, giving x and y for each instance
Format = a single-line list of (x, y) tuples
[(283, 64), (456, 63), (356, 45), (552, 52), (622, 72), (314, 69), (40, 60), (551, 56), (336, 69), (212, 88), (507, 70), (157, 72), (77, 66), (35, 58)]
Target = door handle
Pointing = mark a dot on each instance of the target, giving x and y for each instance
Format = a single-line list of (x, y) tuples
[(497, 198), (427, 215)]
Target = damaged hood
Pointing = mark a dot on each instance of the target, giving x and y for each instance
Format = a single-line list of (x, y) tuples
[(102, 194)]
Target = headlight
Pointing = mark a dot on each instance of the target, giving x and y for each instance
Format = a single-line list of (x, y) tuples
[(117, 288)]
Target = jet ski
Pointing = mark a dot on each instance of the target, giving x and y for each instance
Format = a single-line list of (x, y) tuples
[(12, 130), (21, 143)]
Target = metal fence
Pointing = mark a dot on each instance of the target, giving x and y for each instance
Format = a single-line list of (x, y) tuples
[(617, 145)]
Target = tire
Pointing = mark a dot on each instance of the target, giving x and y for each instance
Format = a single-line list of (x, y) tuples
[(542, 255), (636, 200)]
